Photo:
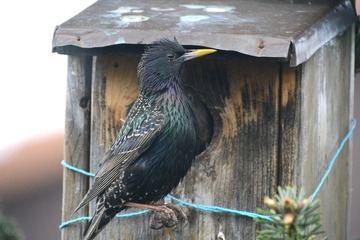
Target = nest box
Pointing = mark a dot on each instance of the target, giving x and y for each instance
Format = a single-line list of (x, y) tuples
[(279, 91)]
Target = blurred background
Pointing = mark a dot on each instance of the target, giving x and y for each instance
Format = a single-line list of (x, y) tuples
[(32, 102)]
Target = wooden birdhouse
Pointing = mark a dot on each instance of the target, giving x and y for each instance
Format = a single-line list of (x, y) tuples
[(279, 92)]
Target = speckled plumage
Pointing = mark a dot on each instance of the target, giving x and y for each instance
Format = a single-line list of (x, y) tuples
[(156, 145)]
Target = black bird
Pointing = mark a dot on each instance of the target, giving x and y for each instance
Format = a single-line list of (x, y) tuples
[(156, 145)]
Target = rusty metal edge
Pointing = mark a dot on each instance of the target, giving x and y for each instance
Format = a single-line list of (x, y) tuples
[(297, 50), (259, 46), (322, 31)]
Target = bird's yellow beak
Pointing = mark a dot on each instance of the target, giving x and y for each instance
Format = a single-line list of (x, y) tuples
[(190, 54)]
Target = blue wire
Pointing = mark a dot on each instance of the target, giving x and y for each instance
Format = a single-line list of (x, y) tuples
[(76, 169), (216, 209), (328, 170), (74, 221), (124, 215)]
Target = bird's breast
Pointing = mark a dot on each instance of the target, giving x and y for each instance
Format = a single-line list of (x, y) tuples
[(161, 167)]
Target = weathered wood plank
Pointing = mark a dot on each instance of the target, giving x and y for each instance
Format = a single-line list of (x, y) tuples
[(238, 168), (290, 103), (114, 89), (326, 112), (77, 139)]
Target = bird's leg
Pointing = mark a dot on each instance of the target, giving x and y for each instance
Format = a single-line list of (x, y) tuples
[(163, 215)]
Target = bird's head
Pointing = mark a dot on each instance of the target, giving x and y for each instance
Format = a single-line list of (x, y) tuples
[(160, 65)]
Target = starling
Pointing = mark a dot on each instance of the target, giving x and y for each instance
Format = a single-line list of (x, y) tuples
[(156, 145)]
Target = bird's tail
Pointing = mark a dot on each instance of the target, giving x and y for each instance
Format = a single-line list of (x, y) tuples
[(101, 218)]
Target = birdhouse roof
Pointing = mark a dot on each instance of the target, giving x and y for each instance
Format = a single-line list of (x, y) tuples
[(287, 29)]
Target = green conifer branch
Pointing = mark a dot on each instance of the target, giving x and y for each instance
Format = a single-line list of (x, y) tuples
[(294, 217)]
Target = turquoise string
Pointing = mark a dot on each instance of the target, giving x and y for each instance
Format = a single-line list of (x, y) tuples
[(74, 221), (215, 209), (218, 209), (332, 161), (124, 215), (75, 169)]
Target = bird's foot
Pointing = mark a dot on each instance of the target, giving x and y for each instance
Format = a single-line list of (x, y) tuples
[(166, 215)]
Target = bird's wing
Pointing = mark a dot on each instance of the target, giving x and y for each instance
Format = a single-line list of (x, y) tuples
[(132, 141)]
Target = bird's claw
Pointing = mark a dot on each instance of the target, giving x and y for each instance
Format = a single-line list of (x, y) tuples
[(180, 213), (167, 216)]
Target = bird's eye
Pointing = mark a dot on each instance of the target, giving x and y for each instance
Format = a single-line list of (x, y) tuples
[(170, 56)]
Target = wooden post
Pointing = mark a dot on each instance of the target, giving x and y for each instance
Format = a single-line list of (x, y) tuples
[(326, 113), (114, 89), (77, 141)]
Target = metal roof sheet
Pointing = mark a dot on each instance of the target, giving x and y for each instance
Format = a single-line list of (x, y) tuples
[(260, 28)]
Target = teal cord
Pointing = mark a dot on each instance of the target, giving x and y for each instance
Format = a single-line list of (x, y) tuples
[(75, 169), (332, 161), (65, 224), (215, 209)]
